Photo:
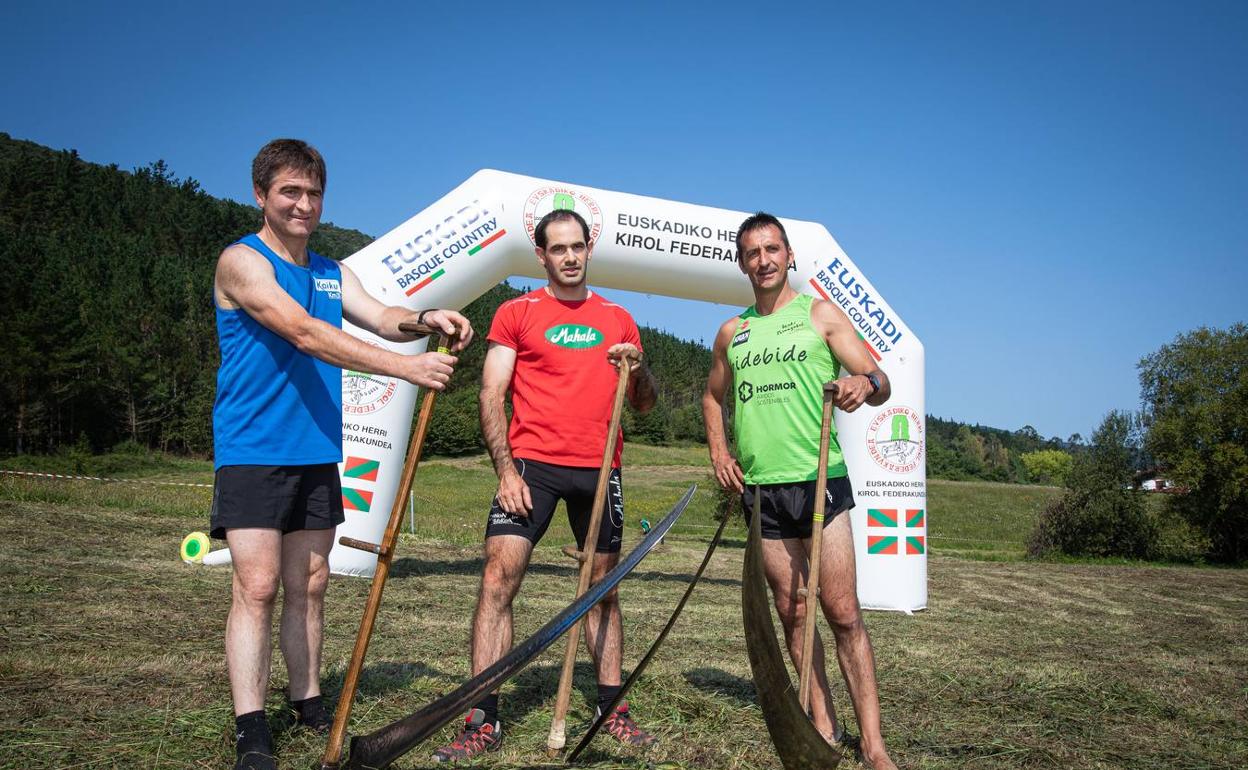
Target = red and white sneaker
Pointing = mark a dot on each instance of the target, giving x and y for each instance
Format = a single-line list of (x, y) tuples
[(476, 737), (621, 726)]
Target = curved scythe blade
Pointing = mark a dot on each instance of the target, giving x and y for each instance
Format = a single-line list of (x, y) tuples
[(798, 744), (378, 749), (645, 661)]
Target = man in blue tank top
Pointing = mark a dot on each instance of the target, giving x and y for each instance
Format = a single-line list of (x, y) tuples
[(277, 429)]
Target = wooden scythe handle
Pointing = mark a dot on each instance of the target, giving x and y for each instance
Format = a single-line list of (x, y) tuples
[(557, 738), (816, 551), (338, 734)]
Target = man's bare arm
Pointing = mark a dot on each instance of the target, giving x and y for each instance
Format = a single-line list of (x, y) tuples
[(839, 333), (245, 281), (727, 471), (365, 311), (513, 492)]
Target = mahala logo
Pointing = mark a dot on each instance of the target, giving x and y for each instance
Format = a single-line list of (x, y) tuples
[(573, 336)]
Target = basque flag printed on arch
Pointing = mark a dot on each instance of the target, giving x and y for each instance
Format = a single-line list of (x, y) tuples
[(361, 468), (357, 499)]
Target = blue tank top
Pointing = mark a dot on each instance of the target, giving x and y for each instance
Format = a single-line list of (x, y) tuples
[(276, 405)]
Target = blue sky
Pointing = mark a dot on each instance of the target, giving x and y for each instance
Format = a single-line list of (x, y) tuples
[(1045, 192)]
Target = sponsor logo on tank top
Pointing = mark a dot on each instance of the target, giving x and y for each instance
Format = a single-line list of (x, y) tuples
[(788, 327), (329, 286), (743, 334), (895, 439), (767, 356), (768, 392), (573, 336)]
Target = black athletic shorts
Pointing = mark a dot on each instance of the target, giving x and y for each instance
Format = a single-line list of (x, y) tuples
[(788, 509), (548, 484), (286, 497)]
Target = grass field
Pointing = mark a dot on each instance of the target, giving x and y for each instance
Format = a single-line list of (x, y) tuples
[(110, 647)]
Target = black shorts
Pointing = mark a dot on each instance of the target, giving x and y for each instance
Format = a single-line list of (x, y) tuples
[(787, 510), (548, 484), (286, 497)]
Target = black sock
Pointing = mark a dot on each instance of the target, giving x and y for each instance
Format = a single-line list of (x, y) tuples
[(251, 733), (606, 694), (489, 704), (311, 711)]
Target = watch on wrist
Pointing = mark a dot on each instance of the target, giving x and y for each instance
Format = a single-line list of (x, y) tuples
[(875, 382), (420, 317)]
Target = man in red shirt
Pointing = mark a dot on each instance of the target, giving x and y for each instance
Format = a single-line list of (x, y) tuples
[(556, 349)]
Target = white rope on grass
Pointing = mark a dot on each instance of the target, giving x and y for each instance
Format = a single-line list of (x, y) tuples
[(101, 478)]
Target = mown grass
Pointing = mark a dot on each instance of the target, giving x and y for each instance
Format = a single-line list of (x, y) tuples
[(110, 648)]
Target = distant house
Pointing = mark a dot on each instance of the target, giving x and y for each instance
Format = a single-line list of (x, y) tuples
[(1151, 480)]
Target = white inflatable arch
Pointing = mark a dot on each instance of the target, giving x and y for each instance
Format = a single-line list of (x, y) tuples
[(481, 233)]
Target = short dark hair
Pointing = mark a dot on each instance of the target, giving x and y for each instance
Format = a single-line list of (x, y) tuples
[(757, 222), (278, 154), (558, 215)]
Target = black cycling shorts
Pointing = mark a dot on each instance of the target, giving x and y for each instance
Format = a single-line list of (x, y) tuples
[(548, 484), (787, 510), (286, 497)]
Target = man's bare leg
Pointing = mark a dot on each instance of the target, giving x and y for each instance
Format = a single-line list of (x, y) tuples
[(257, 555), (839, 598), (604, 640), (305, 576), (506, 559), (784, 562)]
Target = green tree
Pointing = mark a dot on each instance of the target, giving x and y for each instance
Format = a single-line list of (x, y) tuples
[(1195, 393), (1048, 466), (1100, 514)]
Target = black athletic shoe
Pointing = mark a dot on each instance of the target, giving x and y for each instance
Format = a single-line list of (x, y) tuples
[(255, 760), (621, 726), (476, 737), (313, 716)]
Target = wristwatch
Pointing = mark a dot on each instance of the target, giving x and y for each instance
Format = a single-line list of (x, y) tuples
[(875, 382)]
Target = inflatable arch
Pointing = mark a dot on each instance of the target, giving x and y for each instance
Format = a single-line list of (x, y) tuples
[(481, 233)]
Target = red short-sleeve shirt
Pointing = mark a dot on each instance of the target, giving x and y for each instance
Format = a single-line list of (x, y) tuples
[(563, 385)]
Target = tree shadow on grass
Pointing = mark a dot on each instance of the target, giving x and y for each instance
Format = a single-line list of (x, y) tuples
[(714, 681)]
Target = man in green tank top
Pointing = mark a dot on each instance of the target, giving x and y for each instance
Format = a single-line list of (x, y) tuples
[(774, 358)]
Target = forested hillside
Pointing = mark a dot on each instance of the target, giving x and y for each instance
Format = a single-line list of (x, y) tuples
[(108, 332)]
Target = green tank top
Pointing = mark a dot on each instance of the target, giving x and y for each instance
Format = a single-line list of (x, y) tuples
[(779, 364)]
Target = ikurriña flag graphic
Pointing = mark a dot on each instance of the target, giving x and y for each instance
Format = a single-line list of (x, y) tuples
[(361, 468), (357, 499), (913, 534)]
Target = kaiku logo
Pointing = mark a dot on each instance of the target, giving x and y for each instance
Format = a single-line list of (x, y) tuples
[(544, 200), (742, 337), (895, 439), (329, 286), (573, 336)]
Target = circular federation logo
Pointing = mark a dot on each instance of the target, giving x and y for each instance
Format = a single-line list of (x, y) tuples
[(546, 199), (895, 439), (364, 393)]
